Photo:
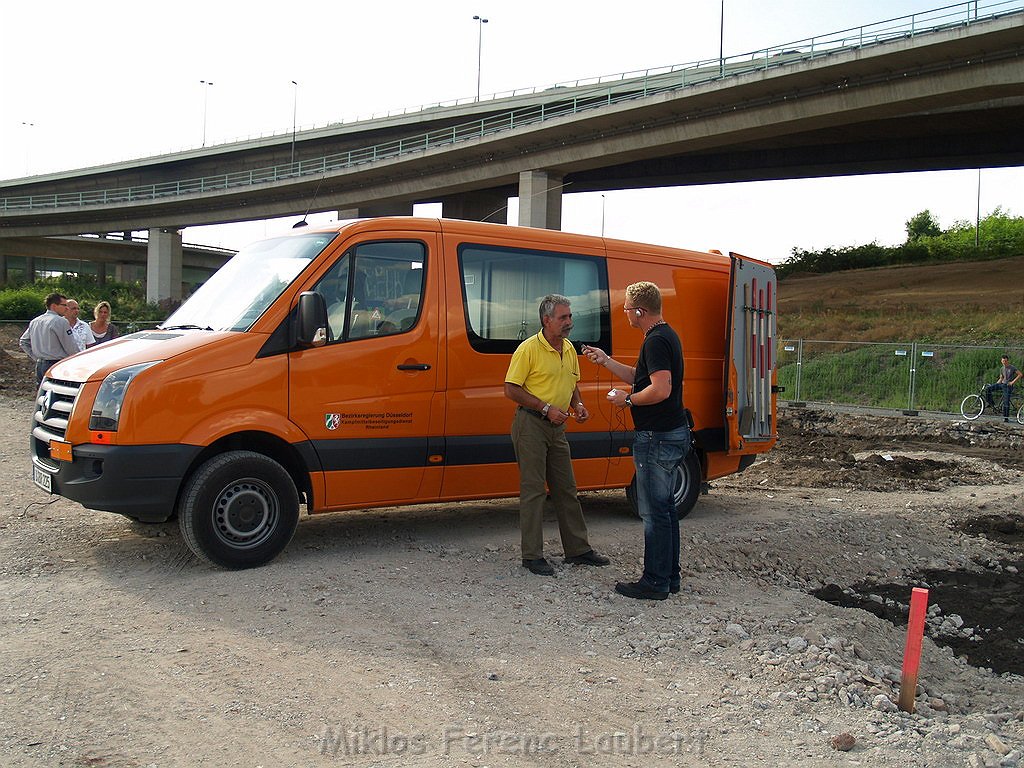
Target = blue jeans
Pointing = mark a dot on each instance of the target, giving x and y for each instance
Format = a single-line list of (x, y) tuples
[(657, 456), (1005, 389)]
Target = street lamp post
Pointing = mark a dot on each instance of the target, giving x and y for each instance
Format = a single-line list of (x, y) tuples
[(480, 20), (721, 40), (295, 107), (206, 92), (28, 143)]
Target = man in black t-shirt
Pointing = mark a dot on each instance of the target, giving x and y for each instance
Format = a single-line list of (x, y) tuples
[(661, 436)]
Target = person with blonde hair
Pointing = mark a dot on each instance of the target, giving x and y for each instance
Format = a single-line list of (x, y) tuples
[(661, 436), (102, 328)]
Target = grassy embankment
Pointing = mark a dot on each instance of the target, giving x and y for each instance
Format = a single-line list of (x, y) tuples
[(959, 303), (949, 303)]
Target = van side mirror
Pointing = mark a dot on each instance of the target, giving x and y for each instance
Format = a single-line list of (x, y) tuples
[(312, 320)]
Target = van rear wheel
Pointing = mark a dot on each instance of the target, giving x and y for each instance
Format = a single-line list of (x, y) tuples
[(687, 487), (239, 510)]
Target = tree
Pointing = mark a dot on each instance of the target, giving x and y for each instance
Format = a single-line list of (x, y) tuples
[(922, 225)]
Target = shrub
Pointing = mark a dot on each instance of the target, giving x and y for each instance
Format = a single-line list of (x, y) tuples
[(999, 236), (23, 303), (127, 300)]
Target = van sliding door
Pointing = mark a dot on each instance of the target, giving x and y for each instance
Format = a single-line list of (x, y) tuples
[(750, 397)]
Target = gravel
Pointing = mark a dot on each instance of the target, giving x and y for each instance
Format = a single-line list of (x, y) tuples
[(414, 637)]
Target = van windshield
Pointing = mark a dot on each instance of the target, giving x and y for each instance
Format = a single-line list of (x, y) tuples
[(241, 290)]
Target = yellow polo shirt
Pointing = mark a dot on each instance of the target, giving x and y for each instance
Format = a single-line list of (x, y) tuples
[(537, 368)]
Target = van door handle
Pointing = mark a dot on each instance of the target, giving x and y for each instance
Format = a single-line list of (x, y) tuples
[(414, 367)]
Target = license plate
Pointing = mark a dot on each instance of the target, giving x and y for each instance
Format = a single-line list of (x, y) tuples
[(42, 479)]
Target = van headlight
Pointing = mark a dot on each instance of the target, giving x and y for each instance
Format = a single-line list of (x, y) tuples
[(106, 410)]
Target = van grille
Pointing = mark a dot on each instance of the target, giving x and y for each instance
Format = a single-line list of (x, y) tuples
[(54, 403)]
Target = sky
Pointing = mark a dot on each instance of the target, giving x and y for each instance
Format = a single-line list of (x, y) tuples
[(92, 83)]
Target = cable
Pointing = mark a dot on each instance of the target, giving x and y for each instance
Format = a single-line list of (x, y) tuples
[(31, 504)]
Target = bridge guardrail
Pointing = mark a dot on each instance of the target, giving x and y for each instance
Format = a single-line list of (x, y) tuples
[(641, 83)]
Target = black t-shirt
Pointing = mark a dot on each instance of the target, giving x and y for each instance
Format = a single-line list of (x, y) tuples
[(661, 351)]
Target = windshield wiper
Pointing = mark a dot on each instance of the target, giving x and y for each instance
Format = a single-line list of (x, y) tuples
[(186, 327)]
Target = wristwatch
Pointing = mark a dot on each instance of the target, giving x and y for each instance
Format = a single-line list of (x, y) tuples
[(545, 409), (629, 401)]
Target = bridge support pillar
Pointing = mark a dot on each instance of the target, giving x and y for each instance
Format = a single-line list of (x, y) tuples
[(540, 200), (378, 209), (3, 269), (483, 205), (163, 265)]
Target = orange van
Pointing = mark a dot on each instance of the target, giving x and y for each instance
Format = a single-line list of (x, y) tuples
[(364, 366)]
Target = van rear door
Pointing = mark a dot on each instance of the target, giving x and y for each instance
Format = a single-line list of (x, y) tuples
[(750, 366)]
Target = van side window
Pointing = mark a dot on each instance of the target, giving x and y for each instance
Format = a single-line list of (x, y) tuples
[(374, 289), (502, 288)]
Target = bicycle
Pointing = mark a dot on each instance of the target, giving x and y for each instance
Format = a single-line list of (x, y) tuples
[(974, 405)]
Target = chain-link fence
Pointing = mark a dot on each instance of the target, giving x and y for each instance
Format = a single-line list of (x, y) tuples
[(911, 376)]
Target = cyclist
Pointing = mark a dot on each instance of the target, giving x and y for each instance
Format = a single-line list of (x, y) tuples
[(1009, 375)]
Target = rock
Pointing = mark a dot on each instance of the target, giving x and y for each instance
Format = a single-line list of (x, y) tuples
[(883, 703), (843, 742), (736, 630), (796, 644), (996, 745)]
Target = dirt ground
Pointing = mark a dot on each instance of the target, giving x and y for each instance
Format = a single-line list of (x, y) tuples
[(982, 284), (413, 637)]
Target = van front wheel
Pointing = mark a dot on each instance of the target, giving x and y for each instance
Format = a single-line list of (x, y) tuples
[(687, 486), (239, 510)]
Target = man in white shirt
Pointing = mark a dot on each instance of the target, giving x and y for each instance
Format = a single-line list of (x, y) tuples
[(80, 329)]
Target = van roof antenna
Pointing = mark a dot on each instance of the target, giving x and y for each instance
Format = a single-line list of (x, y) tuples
[(303, 223)]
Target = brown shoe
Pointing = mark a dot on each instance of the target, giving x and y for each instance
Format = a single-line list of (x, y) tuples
[(590, 557), (540, 566)]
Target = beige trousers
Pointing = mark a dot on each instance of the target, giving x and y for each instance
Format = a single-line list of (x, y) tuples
[(542, 451)]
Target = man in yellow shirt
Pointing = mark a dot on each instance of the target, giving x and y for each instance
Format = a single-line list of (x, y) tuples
[(542, 380)]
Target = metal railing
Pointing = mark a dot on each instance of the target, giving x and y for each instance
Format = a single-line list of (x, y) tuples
[(910, 376), (597, 92)]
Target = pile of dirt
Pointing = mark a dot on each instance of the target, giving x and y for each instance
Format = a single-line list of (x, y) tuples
[(977, 611), (856, 450), (17, 374)]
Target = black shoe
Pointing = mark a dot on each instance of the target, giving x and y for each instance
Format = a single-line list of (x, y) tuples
[(674, 589), (540, 566), (1005, 419), (639, 591), (590, 557)]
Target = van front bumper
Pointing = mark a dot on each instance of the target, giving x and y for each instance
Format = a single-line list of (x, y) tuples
[(138, 481)]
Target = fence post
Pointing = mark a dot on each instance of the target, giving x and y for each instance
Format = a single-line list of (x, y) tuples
[(799, 366), (913, 377)]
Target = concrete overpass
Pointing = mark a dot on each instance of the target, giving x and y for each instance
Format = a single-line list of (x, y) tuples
[(902, 96), (122, 258)]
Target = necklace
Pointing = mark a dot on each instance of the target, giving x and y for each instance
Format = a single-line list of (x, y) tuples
[(648, 331)]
